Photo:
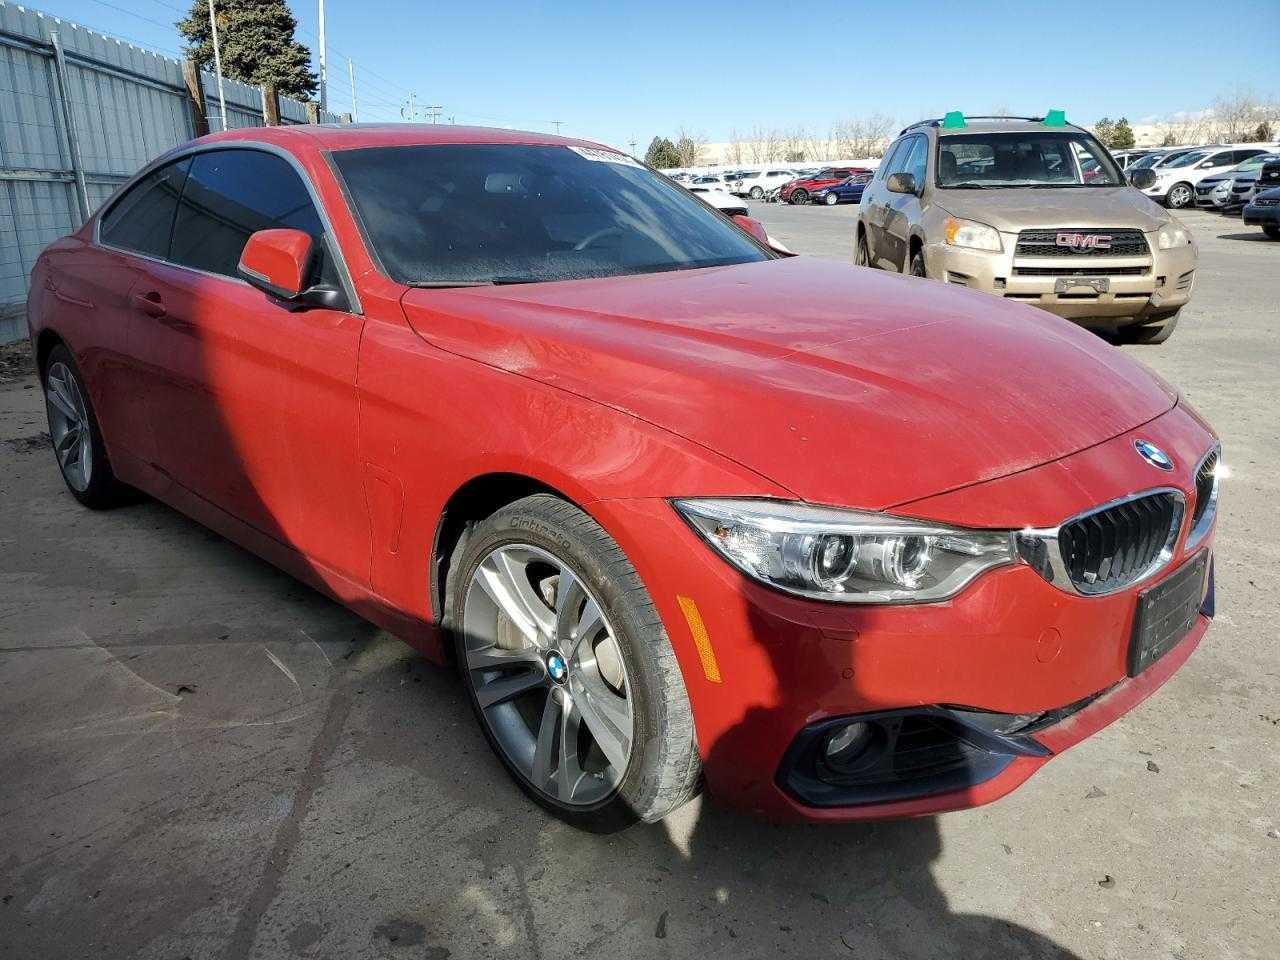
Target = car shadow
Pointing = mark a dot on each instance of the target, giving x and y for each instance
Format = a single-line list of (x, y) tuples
[(1256, 237)]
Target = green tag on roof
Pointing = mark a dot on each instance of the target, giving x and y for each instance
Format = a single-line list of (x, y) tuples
[(1055, 118), (953, 120)]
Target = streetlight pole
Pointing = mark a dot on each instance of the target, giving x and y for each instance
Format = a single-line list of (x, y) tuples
[(217, 64), (324, 93), (351, 73)]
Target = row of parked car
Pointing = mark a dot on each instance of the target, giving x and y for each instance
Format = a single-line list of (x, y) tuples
[(1205, 176), (824, 185)]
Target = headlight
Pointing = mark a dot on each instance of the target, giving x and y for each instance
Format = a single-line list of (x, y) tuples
[(1173, 234), (967, 233), (846, 556)]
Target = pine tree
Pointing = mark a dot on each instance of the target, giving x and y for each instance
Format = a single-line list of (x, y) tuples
[(1121, 135), (257, 44), (662, 154)]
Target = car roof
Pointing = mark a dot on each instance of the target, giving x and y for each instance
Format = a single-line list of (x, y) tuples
[(350, 136), (1005, 126)]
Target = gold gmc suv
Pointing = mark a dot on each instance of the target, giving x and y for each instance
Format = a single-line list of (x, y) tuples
[(1030, 209)]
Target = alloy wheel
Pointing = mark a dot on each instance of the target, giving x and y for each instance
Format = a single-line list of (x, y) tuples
[(548, 674), (800, 197), (69, 426), (756, 193), (1179, 196)]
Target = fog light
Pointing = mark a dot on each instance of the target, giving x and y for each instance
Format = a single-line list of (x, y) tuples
[(851, 746)]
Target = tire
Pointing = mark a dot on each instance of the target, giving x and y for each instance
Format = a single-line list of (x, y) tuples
[(1150, 333), (756, 193), (799, 197), (75, 434), (1179, 196), (1272, 232), (830, 199), (629, 674), (862, 253), (917, 265)]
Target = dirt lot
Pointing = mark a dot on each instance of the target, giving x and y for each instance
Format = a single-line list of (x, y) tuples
[(200, 758)]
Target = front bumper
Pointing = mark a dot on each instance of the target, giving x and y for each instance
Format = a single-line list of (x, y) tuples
[(1256, 216), (762, 667), (1137, 289)]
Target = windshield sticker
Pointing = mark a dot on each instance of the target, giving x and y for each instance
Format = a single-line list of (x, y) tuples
[(605, 156)]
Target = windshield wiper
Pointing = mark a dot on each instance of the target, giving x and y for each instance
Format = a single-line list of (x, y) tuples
[(967, 185)]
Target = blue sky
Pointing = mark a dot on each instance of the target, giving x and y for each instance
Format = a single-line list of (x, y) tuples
[(621, 72)]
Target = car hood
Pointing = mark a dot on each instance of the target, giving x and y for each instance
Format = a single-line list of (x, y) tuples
[(842, 384), (1010, 211)]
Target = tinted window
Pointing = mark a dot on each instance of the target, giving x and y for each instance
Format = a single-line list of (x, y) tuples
[(917, 160), (230, 194), (889, 164), (142, 218), (512, 213)]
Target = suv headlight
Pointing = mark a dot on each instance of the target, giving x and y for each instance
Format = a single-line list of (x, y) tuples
[(847, 556), (1173, 234), (968, 233)]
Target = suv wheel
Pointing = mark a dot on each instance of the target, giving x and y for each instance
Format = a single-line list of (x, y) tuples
[(568, 667), (800, 196), (1272, 232), (862, 255), (756, 193), (917, 265), (1180, 195)]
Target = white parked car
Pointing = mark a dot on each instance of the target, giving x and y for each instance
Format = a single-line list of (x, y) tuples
[(1176, 180), (722, 201), (756, 183), (708, 182)]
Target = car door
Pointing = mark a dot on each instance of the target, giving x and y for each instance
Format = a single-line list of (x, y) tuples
[(903, 209), (876, 199), (254, 404)]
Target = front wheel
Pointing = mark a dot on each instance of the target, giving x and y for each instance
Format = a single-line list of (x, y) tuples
[(800, 197), (830, 199), (1180, 195), (568, 667)]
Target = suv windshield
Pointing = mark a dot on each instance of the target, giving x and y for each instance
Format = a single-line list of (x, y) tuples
[(518, 213), (1186, 160), (1031, 159)]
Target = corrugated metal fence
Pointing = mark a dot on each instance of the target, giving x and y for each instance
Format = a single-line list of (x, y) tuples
[(79, 114)]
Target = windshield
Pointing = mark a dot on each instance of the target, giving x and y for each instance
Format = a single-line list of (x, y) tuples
[(1186, 160), (519, 213), (1150, 160), (1255, 163), (1033, 159)]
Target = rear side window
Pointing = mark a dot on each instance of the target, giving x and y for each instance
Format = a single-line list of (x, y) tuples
[(142, 219), (229, 195)]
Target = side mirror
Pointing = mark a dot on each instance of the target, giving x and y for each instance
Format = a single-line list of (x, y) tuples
[(1207, 164), (901, 183), (757, 230), (1143, 178), (276, 262)]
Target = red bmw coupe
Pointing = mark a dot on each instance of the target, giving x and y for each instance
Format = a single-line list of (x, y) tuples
[(682, 510)]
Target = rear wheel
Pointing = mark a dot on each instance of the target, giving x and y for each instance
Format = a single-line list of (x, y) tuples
[(917, 264), (73, 428), (800, 197), (1180, 195), (1272, 232), (568, 667), (756, 193), (1150, 333), (862, 255)]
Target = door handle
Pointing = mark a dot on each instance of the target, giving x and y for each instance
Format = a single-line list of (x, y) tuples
[(152, 304)]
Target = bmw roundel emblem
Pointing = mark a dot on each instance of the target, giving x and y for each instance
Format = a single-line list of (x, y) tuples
[(556, 667), (1153, 454)]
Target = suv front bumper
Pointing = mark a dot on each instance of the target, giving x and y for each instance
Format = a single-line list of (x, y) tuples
[(1091, 290)]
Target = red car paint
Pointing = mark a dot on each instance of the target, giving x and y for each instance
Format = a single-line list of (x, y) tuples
[(818, 181), (332, 443)]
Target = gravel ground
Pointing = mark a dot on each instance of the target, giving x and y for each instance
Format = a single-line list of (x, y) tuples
[(201, 758)]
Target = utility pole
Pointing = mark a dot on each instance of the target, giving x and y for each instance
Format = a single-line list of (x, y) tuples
[(410, 110), (324, 93), (217, 63), (556, 124), (632, 144), (435, 113), (351, 74)]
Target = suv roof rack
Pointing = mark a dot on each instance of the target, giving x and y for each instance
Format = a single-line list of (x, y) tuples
[(956, 120)]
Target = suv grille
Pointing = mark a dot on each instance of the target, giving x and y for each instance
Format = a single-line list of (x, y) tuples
[(1044, 243), (1111, 548)]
